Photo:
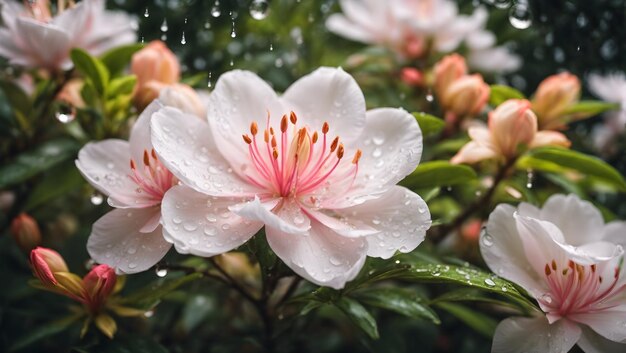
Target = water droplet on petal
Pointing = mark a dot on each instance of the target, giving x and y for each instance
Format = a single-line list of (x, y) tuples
[(487, 240), (132, 265)]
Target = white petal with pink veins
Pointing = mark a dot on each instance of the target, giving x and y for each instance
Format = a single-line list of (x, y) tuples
[(116, 240), (106, 165), (322, 257), (338, 101), (342, 26), (284, 216), (610, 323), (579, 220), (203, 225), (184, 144), (525, 335), (139, 139), (45, 45), (615, 232)]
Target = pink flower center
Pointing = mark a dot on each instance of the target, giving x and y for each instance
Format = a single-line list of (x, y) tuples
[(296, 161), (577, 288), (153, 179)]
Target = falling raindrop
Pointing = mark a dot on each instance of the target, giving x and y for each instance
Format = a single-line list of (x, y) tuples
[(233, 34), (215, 10), (207, 24), (232, 63), (183, 41), (146, 13), (164, 25), (259, 9), (279, 62), (429, 96), (148, 313), (164, 37), (96, 198), (65, 114), (161, 272), (142, 40), (209, 84), (271, 46), (530, 176), (520, 16)]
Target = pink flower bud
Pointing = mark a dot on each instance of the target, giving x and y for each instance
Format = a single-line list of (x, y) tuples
[(155, 67), (98, 285), (512, 124), (414, 46), (554, 95), (46, 263), (448, 70), (185, 98), (26, 232), (412, 77), (70, 93), (466, 96)]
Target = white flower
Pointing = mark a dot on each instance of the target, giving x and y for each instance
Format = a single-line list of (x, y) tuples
[(313, 166), (31, 37), (610, 88), (129, 238), (570, 261)]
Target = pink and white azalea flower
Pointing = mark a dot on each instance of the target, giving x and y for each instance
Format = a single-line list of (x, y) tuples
[(610, 88), (129, 238), (33, 38), (570, 261), (313, 166)]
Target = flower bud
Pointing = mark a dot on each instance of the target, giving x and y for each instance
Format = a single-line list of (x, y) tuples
[(46, 263), (512, 123), (70, 93), (414, 46), (467, 95), (155, 67), (412, 77), (183, 97), (238, 265), (26, 232), (448, 70), (98, 285), (554, 95)]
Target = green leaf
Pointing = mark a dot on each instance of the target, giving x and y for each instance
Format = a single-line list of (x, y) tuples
[(469, 277), (500, 93), (42, 332), (429, 124), (92, 68), (480, 322), (151, 295), (122, 86), (399, 300), (359, 316), (590, 108), (32, 162), (439, 173), (469, 295), (58, 181), (195, 80), (18, 99), (263, 253), (118, 58), (559, 160)]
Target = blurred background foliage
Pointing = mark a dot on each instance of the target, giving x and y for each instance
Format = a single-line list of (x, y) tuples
[(282, 44)]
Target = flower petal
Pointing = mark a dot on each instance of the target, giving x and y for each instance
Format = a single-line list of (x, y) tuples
[(322, 257), (472, 153), (186, 147), (549, 138), (338, 100), (139, 140), (401, 218), (44, 45), (591, 342), (342, 26), (523, 335), (202, 225), (579, 220), (610, 324), (615, 232), (503, 250), (116, 240), (288, 217), (240, 98)]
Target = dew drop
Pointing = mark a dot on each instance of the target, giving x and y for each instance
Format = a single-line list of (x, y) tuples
[(335, 261), (271, 47), (429, 97), (161, 272), (378, 139), (177, 220), (233, 33), (259, 9), (215, 10), (226, 226), (530, 176), (490, 282), (209, 84), (148, 313), (183, 40), (210, 231), (146, 13), (132, 265), (547, 298), (190, 227), (487, 240), (65, 114), (377, 153), (298, 219), (131, 251), (504, 289), (96, 198), (520, 16), (164, 26)]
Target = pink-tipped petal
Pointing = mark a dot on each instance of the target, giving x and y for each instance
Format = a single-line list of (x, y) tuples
[(549, 138), (472, 153)]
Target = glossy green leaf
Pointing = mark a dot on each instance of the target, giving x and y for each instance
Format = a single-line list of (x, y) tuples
[(501, 93), (480, 322), (92, 68), (560, 160), (150, 296), (429, 124), (590, 108), (58, 181), (33, 162), (399, 300), (19, 100), (439, 173), (118, 58), (122, 86), (358, 315)]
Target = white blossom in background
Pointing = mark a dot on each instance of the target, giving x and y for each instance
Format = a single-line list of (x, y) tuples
[(32, 37), (312, 166), (571, 262), (128, 238), (610, 88)]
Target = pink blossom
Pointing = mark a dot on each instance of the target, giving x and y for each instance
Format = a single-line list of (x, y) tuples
[(312, 166), (570, 261)]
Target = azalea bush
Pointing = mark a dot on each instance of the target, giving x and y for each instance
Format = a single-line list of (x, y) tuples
[(278, 176)]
